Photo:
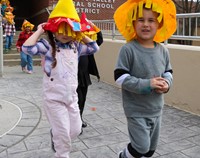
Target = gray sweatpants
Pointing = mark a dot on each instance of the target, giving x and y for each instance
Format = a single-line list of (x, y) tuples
[(144, 133)]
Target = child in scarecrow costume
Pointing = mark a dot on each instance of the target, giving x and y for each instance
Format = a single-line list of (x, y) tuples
[(26, 60), (9, 29), (9, 9), (143, 70), (4, 4), (60, 56), (87, 65)]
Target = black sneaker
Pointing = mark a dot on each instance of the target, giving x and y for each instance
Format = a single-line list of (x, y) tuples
[(81, 131), (84, 124), (52, 143)]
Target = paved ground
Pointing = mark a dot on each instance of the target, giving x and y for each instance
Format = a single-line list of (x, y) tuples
[(10, 116), (25, 131)]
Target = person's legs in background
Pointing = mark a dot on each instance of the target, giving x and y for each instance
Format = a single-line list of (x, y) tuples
[(10, 42), (23, 61), (29, 64), (7, 43), (82, 93)]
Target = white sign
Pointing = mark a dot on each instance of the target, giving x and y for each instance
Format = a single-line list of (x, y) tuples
[(93, 6)]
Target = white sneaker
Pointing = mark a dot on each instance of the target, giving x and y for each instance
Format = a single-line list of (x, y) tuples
[(29, 72)]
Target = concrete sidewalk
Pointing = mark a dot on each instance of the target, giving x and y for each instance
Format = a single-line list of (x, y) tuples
[(27, 135)]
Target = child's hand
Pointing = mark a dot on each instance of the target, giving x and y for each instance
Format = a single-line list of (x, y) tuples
[(159, 84), (18, 50), (164, 89), (40, 26)]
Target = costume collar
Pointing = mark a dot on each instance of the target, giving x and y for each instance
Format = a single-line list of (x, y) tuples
[(67, 45)]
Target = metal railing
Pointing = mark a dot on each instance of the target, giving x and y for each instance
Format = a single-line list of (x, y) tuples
[(188, 27), (108, 28)]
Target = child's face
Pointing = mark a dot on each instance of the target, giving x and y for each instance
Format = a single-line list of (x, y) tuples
[(146, 26), (63, 38), (27, 28)]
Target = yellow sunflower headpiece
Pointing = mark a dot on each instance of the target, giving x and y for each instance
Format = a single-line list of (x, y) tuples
[(127, 12), (3, 1), (26, 24), (9, 17), (6, 2), (64, 19)]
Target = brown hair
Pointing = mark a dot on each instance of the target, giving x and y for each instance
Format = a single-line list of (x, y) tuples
[(53, 45)]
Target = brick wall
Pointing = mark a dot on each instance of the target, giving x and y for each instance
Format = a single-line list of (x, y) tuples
[(34, 10), (38, 12), (96, 9), (51, 2)]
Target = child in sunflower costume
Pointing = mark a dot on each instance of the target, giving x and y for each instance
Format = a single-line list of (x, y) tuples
[(26, 60), (66, 43), (9, 29), (143, 70)]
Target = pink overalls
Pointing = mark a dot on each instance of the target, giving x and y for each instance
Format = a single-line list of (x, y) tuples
[(60, 101), (59, 90)]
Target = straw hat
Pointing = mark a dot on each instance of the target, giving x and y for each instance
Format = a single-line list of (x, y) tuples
[(3, 1), (7, 2), (64, 12), (9, 17), (127, 12), (27, 24)]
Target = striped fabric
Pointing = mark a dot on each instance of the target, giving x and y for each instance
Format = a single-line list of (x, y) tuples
[(9, 29), (43, 48)]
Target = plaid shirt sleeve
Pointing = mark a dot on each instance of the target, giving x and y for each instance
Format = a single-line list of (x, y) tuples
[(14, 30), (87, 49)]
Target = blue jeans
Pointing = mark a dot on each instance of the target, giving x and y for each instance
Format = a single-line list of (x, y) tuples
[(26, 60), (9, 41)]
